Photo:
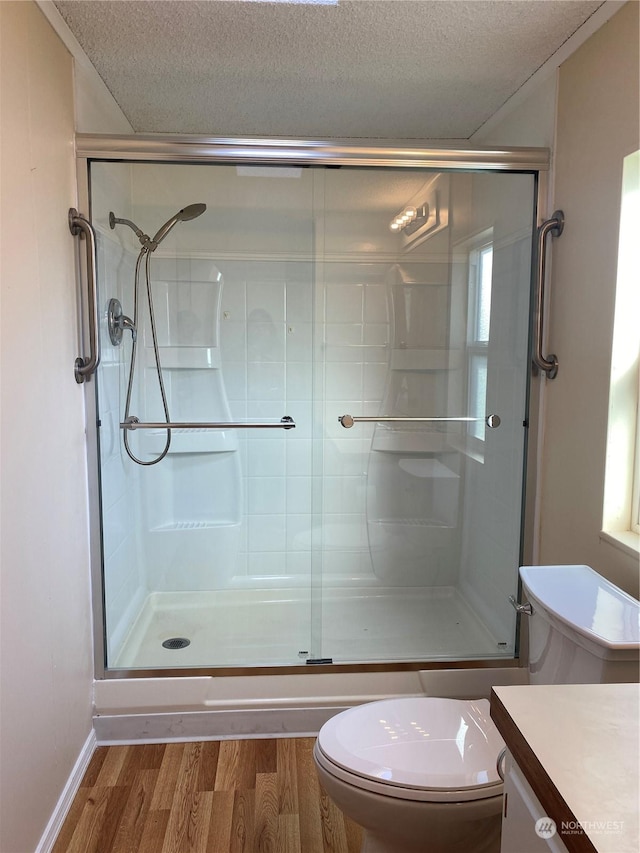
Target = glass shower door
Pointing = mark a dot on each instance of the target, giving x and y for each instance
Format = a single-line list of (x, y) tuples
[(425, 366), (207, 550), (398, 297)]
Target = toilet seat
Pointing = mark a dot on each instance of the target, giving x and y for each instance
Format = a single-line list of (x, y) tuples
[(423, 749)]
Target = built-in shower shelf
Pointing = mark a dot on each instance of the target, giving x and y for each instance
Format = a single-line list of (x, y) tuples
[(412, 358), (409, 441), (193, 525), (412, 522), (191, 441), (186, 358), (400, 546), (429, 468)]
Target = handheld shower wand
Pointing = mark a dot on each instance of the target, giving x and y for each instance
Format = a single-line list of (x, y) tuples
[(184, 215)]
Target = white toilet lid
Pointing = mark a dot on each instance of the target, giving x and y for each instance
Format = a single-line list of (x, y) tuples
[(423, 743)]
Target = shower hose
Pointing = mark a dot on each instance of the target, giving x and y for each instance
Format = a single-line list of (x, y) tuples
[(134, 355)]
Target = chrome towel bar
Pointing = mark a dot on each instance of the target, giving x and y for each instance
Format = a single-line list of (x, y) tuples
[(133, 423), (79, 226), (347, 421), (553, 226)]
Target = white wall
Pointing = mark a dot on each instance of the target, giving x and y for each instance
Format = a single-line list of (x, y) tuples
[(46, 614), (597, 126), (95, 106)]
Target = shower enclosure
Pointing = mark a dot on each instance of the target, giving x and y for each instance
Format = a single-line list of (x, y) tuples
[(383, 311)]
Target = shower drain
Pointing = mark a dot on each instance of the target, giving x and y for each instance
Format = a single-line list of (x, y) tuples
[(176, 643)]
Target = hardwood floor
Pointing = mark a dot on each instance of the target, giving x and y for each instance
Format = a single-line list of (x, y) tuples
[(233, 796)]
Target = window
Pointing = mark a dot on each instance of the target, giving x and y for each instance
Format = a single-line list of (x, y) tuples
[(479, 324), (621, 515)]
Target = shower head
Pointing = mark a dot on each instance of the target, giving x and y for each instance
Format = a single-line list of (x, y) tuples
[(184, 215)]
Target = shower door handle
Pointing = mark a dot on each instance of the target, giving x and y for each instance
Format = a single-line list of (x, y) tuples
[(347, 421), (79, 226)]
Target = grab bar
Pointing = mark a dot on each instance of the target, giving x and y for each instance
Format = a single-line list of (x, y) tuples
[(554, 226), (347, 421), (84, 367), (133, 423)]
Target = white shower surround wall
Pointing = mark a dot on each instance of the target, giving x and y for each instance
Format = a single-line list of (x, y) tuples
[(284, 342), (190, 502), (271, 358), (282, 339)]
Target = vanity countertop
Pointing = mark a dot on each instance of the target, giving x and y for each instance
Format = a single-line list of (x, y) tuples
[(578, 747)]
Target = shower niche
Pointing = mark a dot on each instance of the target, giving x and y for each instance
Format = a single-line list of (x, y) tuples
[(192, 499)]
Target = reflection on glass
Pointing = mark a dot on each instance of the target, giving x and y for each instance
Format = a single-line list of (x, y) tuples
[(478, 395), (483, 317)]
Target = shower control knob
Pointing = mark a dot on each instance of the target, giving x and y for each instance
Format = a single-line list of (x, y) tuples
[(117, 322)]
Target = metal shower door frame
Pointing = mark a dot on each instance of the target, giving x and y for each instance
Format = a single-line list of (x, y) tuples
[(177, 149)]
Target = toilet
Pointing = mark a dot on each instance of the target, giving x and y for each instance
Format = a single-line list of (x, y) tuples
[(419, 775)]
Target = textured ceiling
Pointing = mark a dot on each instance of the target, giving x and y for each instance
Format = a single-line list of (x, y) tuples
[(399, 69)]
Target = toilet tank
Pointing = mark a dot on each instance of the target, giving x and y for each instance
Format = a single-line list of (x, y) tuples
[(583, 629)]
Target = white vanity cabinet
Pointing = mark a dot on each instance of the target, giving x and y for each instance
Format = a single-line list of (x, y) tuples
[(521, 812)]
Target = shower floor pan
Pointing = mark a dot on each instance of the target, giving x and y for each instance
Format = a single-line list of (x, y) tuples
[(258, 627)]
